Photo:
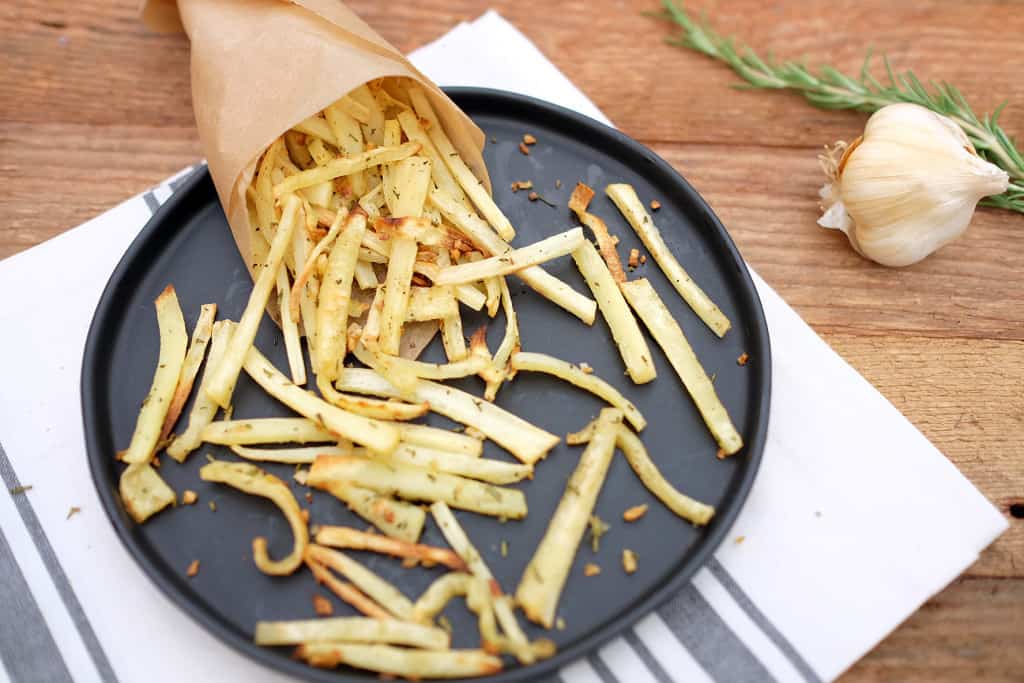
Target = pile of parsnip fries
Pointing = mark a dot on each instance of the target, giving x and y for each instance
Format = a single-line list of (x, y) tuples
[(368, 224)]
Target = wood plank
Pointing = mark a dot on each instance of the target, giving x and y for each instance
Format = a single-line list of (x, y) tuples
[(55, 53), (57, 176), (91, 62), (659, 92), (965, 396), (969, 632)]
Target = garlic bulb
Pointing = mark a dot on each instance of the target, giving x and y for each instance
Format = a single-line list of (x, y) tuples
[(907, 186)]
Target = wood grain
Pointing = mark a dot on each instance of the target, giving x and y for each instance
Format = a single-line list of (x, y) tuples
[(96, 109)]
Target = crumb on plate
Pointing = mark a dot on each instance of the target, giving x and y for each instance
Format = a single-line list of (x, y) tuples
[(629, 561), (634, 513)]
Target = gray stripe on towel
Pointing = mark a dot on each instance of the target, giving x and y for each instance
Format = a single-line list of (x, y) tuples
[(60, 579), (762, 621), (26, 644), (710, 640)]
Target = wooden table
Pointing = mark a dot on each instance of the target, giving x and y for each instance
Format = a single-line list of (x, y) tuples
[(96, 109)]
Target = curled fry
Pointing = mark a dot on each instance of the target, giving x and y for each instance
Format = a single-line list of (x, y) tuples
[(256, 482), (354, 539)]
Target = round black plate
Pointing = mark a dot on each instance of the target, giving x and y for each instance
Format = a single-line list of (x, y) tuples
[(188, 244)]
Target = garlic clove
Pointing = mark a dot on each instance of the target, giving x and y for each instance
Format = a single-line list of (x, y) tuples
[(907, 187)]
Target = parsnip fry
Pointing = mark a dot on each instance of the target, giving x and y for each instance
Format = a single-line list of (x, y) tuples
[(372, 407), (410, 181), (474, 228), (519, 437), (318, 128), (451, 325), (491, 287), (373, 201), (460, 543), (290, 331), (440, 439), (498, 371), (394, 518), (266, 430), (373, 128), (289, 456), (625, 331), (144, 492), (392, 138), (629, 204), (481, 602), (319, 152), (201, 335), (256, 482), (467, 295), (349, 135), (171, 358), (309, 267), (203, 408), (478, 598), (438, 169), (481, 469), (431, 303), (347, 592), (542, 282), (396, 294), (351, 630), (319, 194), (679, 503), (417, 483), (335, 293), (380, 590), (371, 328), (307, 305), (666, 331), (406, 193), (354, 539), (345, 166), (545, 576), (511, 261), (353, 108), (374, 434), (473, 188), (582, 436), (403, 372), (578, 203), (446, 588), (366, 277), (540, 362), (222, 384), (396, 661)]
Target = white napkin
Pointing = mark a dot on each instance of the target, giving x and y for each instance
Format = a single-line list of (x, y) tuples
[(854, 521)]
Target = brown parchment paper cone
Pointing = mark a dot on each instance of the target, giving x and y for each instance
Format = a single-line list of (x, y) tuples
[(259, 67)]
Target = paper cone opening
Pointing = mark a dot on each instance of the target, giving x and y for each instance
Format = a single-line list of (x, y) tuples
[(259, 67)]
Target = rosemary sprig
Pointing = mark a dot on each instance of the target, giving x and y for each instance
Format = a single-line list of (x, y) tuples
[(832, 89)]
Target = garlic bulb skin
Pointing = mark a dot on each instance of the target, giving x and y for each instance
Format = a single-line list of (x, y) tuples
[(907, 186)]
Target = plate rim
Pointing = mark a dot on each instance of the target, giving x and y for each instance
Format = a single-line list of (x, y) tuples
[(753, 449)]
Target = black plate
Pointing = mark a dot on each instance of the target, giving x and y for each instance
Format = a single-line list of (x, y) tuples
[(188, 243)]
